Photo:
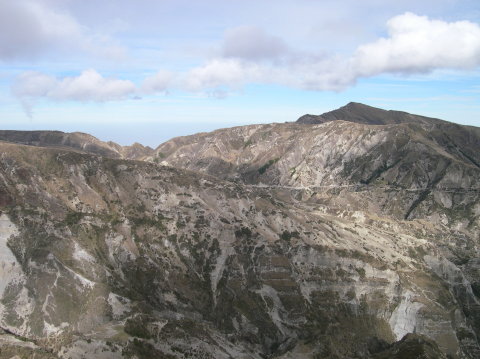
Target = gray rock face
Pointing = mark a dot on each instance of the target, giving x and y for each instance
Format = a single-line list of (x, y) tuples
[(373, 237)]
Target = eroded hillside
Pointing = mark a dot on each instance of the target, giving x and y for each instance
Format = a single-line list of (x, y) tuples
[(112, 258)]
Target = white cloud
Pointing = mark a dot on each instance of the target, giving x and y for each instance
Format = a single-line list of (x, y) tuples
[(415, 44), (158, 82), (418, 44), (222, 72), (29, 29), (89, 86), (252, 43), (33, 84)]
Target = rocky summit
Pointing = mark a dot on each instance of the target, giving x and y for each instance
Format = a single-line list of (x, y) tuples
[(352, 234)]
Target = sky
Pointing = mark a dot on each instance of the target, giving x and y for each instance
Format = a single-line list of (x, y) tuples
[(148, 70)]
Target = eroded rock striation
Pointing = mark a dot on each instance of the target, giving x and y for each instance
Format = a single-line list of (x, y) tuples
[(332, 240)]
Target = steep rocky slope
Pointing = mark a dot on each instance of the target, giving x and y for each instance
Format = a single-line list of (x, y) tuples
[(108, 258), (352, 143), (406, 170)]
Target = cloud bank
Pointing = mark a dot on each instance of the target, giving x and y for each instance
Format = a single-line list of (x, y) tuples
[(417, 44), (414, 44), (89, 86)]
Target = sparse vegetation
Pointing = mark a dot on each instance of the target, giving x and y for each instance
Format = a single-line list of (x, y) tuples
[(73, 218), (248, 143), (264, 168), (287, 236)]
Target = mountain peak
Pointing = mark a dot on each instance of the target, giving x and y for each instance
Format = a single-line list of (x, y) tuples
[(365, 114), (356, 104)]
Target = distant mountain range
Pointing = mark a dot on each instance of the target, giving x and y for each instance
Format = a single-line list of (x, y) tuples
[(351, 234), (76, 141)]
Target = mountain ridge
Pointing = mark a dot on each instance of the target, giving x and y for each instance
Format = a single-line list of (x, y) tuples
[(333, 240), (351, 112), (78, 141)]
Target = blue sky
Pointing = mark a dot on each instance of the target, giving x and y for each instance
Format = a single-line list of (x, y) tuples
[(148, 70)]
